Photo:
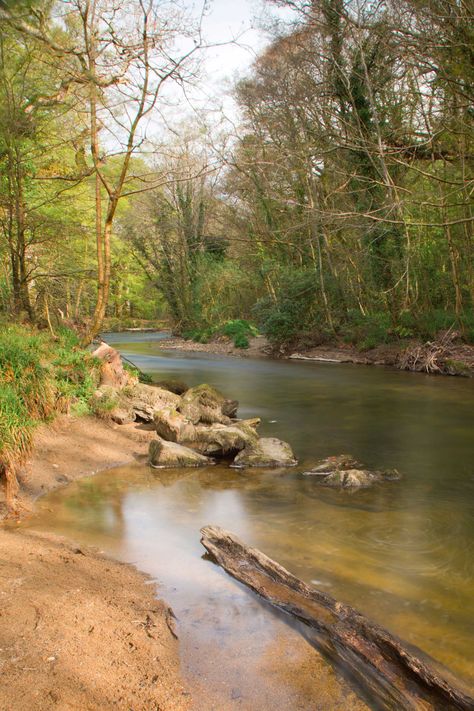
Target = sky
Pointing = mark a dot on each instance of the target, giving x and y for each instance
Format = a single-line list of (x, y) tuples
[(224, 22)]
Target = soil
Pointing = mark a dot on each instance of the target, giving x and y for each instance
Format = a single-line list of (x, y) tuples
[(78, 631), (385, 354)]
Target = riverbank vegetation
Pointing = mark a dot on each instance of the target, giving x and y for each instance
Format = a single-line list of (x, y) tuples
[(336, 208), (40, 377)]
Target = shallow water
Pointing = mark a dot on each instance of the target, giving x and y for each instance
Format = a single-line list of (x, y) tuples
[(400, 552)]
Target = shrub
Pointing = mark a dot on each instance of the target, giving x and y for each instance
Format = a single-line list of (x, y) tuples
[(238, 329), (241, 341), (369, 330)]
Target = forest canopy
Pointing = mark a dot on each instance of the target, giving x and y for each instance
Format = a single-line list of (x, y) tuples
[(337, 206)]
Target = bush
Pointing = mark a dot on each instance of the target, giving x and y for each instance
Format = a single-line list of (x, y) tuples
[(241, 341), (237, 329), (368, 331), (240, 331)]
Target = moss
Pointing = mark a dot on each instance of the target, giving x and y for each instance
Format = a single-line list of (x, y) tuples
[(457, 367)]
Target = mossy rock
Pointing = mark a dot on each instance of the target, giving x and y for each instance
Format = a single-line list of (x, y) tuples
[(223, 440), (207, 405), (172, 426), (170, 454), (266, 452), (345, 472), (147, 399)]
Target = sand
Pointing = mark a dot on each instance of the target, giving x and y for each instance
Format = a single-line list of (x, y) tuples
[(79, 631)]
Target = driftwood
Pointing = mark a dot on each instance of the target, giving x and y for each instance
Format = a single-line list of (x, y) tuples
[(392, 676)]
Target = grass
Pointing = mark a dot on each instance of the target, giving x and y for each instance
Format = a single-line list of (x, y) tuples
[(39, 377)]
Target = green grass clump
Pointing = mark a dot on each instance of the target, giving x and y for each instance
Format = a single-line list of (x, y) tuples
[(16, 427), (103, 403), (39, 377)]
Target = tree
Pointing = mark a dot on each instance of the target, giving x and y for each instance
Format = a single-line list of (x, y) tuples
[(115, 60)]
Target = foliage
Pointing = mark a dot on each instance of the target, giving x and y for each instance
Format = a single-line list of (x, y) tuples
[(341, 208), (369, 330), (39, 376), (291, 311), (239, 330)]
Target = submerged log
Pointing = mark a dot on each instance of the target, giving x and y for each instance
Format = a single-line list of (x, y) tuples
[(390, 673)]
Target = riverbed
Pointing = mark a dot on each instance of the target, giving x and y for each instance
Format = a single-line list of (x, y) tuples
[(401, 552)]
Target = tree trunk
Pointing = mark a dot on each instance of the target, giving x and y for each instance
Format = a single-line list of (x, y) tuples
[(391, 674)]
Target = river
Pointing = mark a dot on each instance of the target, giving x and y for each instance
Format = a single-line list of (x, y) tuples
[(401, 552)]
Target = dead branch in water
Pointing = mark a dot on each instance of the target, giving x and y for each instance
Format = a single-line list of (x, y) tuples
[(390, 673)]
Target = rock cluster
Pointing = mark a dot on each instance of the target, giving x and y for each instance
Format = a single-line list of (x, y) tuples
[(202, 427), (345, 472), (194, 426)]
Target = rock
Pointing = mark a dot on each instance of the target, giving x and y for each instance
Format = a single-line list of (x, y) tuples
[(147, 399), (122, 416), (230, 407), (341, 461), (171, 454), (267, 452), (353, 478), (172, 426), (344, 472), (223, 440), (205, 404), (112, 371), (253, 422), (174, 386)]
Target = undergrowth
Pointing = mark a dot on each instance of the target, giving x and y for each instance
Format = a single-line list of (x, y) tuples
[(39, 377), (239, 330)]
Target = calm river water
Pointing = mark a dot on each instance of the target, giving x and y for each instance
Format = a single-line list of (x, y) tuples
[(401, 552)]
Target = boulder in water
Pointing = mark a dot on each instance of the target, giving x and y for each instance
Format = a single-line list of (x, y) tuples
[(207, 405), (266, 452), (340, 462), (171, 454), (345, 472), (223, 440)]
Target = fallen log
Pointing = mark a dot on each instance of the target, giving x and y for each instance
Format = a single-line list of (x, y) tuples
[(392, 676)]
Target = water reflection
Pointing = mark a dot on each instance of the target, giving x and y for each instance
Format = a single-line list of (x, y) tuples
[(401, 552)]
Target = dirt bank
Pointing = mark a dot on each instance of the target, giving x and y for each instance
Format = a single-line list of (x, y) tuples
[(386, 355), (74, 447), (258, 347), (79, 631)]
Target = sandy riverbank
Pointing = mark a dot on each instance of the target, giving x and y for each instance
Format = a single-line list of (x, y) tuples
[(79, 631), (74, 447)]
